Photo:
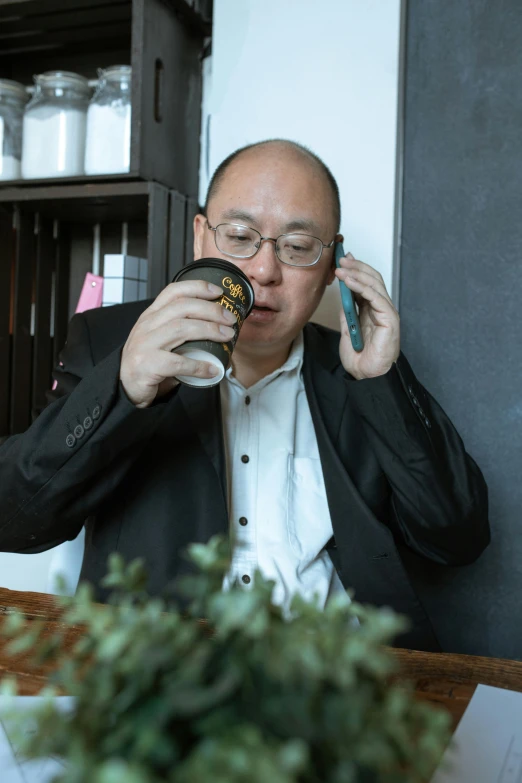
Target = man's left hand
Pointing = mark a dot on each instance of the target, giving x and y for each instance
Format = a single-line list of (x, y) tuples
[(380, 324)]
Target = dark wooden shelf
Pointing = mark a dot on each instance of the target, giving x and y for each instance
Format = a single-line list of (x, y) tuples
[(43, 261), (47, 182), (162, 40), (82, 201), (81, 25), (39, 26)]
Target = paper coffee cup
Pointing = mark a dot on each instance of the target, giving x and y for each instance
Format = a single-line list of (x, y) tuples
[(238, 297)]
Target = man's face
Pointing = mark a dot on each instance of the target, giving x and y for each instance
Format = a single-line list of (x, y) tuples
[(275, 191)]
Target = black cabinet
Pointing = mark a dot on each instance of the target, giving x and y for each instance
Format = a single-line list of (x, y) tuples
[(161, 39), (45, 251), (46, 226)]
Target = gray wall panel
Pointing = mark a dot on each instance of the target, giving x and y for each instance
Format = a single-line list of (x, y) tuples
[(461, 282)]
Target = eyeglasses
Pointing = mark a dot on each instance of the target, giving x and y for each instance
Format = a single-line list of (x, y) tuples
[(243, 242)]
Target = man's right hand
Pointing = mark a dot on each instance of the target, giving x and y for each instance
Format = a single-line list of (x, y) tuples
[(183, 311)]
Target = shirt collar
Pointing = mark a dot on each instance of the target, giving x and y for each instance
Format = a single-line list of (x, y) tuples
[(293, 362)]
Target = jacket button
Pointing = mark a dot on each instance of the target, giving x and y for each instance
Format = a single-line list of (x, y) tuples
[(427, 422), (415, 401), (245, 458), (78, 431), (70, 440), (243, 521), (87, 423), (246, 579), (96, 412)]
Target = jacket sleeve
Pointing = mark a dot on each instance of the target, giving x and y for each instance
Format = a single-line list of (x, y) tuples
[(439, 499), (54, 475)]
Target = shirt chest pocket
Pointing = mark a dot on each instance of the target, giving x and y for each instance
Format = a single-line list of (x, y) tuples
[(308, 522)]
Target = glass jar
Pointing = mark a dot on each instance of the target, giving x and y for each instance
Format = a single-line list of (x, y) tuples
[(54, 126), (107, 148), (13, 98)]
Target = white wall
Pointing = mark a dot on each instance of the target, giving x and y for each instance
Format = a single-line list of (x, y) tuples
[(25, 572), (39, 573), (323, 73)]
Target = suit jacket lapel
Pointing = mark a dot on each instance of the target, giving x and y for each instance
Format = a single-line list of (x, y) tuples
[(324, 388), (203, 407), (325, 382)]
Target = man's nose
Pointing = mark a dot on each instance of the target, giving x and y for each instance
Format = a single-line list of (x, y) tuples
[(265, 267)]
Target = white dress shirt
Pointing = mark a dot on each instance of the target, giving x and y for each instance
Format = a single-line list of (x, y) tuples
[(278, 512)]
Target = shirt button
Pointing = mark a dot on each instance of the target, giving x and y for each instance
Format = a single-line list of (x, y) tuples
[(243, 521), (96, 413), (415, 401), (247, 400), (70, 440), (87, 423), (245, 458), (79, 431), (246, 579)]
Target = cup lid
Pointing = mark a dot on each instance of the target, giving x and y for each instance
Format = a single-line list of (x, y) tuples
[(218, 263)]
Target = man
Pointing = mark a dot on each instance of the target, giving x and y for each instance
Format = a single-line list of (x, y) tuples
[(322, 462)]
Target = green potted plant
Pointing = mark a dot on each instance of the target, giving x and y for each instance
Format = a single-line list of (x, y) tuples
[(302, 699)]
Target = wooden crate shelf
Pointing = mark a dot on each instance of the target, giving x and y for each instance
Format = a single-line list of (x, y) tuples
[(47, 226), (46, 248), (163, 40), (82, 202)]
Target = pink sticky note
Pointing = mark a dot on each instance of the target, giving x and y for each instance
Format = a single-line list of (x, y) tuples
[(92, 293)]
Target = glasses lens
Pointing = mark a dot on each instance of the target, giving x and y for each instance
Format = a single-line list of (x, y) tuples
[(299, 249), (237, 241)]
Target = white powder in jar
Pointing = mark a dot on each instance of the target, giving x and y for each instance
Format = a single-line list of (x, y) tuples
[(9, 164), (107, 148), (53, 143)]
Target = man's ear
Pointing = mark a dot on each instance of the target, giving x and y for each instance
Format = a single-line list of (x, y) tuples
[(331, 273), (200, 223)]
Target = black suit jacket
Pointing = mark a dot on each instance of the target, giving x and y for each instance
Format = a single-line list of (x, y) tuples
[(147, 482)]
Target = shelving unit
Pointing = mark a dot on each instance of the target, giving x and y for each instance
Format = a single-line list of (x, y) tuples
[(161, 39), (46, 226)]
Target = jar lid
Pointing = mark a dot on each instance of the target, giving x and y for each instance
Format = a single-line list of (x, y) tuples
[(13, 89), (119, 72), (63, 79)]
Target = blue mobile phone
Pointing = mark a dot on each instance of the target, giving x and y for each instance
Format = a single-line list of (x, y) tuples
[(350, 311)]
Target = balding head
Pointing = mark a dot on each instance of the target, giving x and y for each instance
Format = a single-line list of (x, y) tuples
[(288, 152)]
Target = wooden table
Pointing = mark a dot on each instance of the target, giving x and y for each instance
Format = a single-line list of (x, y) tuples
[(450, 680), (445, 679)]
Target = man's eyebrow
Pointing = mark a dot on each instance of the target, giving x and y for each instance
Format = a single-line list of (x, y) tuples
[(298, 224), (239, 214), (302, 224)]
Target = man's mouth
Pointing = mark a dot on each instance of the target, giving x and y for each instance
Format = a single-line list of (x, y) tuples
[(262, 314)]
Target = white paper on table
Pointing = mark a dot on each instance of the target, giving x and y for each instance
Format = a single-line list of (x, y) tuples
[(487, 745), (13, 769)]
